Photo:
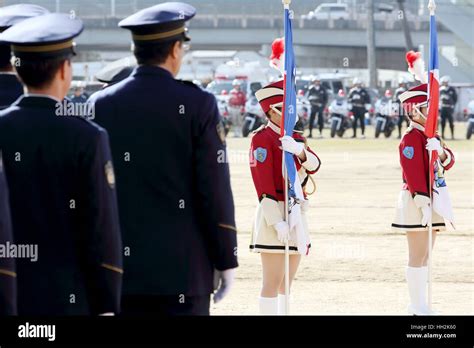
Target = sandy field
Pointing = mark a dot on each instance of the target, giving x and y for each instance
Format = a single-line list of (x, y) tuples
[(357, 264)]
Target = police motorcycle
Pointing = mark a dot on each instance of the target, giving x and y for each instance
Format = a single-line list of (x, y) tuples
[(469, 112), (341, 118), (303, 108), (254, 117), (384, 122)]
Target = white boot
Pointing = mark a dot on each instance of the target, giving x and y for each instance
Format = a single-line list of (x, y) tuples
[(416, 280), (268, 305), (281, 304)]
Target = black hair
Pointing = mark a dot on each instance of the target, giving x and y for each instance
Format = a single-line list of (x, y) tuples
[(5, 57), (154, 53), (39, 73)]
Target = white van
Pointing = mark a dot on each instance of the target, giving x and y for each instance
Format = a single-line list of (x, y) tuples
[(328, 11)]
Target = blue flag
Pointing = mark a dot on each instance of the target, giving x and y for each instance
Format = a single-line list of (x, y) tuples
[(289, 101)]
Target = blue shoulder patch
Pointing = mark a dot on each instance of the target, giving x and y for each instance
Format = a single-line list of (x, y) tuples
[(260, 154), (409, 152)]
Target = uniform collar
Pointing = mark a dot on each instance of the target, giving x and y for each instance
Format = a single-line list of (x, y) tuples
[(38, 100), (151, 70), (273, 127), (414, 125)]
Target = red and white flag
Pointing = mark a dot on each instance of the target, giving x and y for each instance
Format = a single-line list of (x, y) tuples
[(441, 200)]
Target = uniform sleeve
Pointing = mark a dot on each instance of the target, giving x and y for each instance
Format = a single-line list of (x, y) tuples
[(350, 96), (101, 243), (212, 182), (325, 96), (449, 161), (312, 163), (412, 160), (261, 166), (455, 97), (7, 265), (367, 97)]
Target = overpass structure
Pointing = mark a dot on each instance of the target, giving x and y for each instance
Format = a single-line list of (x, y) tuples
[(253, 25), (329, 48)]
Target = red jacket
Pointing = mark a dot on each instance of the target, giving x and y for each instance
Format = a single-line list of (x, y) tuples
[(266, 162), (237, 98), (414, 160)]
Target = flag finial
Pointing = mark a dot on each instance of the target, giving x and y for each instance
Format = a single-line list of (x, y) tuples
[(431, 7)]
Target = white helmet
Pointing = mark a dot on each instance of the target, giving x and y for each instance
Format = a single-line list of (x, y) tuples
[(445, 79), (236, 82), (356, 81), (401, 80)]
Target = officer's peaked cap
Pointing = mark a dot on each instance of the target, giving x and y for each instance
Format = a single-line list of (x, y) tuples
[(159, 23)]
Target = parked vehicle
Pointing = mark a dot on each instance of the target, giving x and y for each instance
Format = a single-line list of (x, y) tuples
[(384, 124), (254, 116), (385, 121), (340, 123), (341, 119), (328, 11), (303, 109)]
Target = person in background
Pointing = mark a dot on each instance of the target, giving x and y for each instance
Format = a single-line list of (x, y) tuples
[(237, 102), (358, 98), (402, 88), (79, 96), (383, 106), (10, 87), (339, 105), (448, 99), (318, 98)]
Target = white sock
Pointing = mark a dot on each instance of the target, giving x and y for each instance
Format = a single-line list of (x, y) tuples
[(268, 305), (416, 280), (281, 304)]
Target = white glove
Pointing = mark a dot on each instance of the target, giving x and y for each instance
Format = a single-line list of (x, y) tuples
[(283, 231), (433, 144), (291, 145), (109, 314), (426, 211), (226, 280)]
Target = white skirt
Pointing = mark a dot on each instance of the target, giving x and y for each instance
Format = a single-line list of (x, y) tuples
[(408, 216), (264, 238)]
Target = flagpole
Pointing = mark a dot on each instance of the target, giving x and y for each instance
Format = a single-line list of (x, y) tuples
[(286, 6), (431, 7), (430, 238)]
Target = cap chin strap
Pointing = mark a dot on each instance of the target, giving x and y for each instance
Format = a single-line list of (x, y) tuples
[(419, 112), (274, 108)]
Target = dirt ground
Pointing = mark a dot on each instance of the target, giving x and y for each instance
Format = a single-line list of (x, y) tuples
[(357, 264)]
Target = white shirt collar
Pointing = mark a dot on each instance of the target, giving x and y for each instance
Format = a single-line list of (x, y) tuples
[(273, 126), (417, 126)]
